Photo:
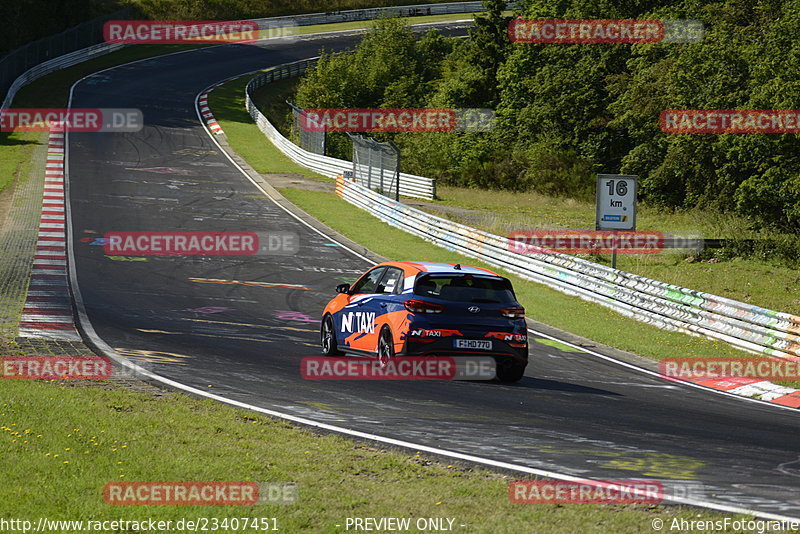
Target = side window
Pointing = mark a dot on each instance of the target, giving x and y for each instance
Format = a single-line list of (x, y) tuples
[(391, 281), (368, 283)]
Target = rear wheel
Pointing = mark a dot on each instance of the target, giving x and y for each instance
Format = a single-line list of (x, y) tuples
[(385, 346), (328, 337), (509, 370)]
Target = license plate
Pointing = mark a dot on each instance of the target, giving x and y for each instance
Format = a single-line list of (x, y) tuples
[(475, 344)]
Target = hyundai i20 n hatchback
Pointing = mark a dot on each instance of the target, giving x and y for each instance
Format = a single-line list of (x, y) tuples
[(428, 309)]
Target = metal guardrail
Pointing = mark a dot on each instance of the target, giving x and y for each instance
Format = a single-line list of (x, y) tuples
[(56, 64), (84, 36), (663, 305), (307, 19), (371, 14), (410, 184)]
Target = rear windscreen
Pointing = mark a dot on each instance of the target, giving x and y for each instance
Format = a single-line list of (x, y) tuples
[(465, 288)]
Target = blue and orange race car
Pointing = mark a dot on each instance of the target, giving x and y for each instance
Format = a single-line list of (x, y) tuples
[(428, 309)]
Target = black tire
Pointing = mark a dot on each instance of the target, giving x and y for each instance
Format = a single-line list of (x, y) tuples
[(385, 346), (509, 370), (327, 337)]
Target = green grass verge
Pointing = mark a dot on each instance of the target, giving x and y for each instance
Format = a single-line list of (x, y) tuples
[(248, 9), (342, 26), (63, 443), (227, 103), (17, 150), (541, 303), (504, 209)]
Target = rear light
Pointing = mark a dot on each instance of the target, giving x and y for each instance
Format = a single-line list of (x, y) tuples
[(514, 312), (423, 306)]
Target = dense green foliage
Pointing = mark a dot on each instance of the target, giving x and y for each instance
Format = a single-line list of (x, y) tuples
[(567, 111)]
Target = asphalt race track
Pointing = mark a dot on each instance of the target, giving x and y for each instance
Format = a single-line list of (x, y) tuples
[(573, 413)]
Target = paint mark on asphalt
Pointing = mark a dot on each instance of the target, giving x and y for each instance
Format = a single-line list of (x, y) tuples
[(280, 327), (790, 468), (288, 315), (126, 258), (556, 345), (208, 309), (153, 356), (647, 463), (162, 170), (319, 405), (248, 283), (238, 338)]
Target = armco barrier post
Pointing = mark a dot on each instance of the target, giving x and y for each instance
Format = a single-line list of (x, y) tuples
[(396, 170)]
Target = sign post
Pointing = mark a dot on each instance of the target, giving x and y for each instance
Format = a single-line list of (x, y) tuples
[(616, 205)]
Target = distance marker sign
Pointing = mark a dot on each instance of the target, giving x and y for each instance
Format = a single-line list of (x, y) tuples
[(616, 202)]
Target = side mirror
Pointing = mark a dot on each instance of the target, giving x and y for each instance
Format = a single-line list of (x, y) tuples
[(343, 288)]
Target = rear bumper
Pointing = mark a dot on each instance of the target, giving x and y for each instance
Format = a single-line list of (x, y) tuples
[(501, 351)]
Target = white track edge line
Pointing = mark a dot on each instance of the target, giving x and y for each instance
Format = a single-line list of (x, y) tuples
[(658, 375), (90, 332)]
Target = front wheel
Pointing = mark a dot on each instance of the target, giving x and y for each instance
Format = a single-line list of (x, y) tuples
[(385, 347), (328, 338)]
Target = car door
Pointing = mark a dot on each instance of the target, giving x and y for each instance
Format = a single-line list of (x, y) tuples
[(389, 302), (356, 322)]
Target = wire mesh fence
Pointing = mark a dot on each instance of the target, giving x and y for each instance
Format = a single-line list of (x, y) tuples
[(84, 35), (410, 184), (376, 165), (311, 139)]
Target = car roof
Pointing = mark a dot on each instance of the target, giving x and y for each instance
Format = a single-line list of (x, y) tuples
[(416, 267)]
